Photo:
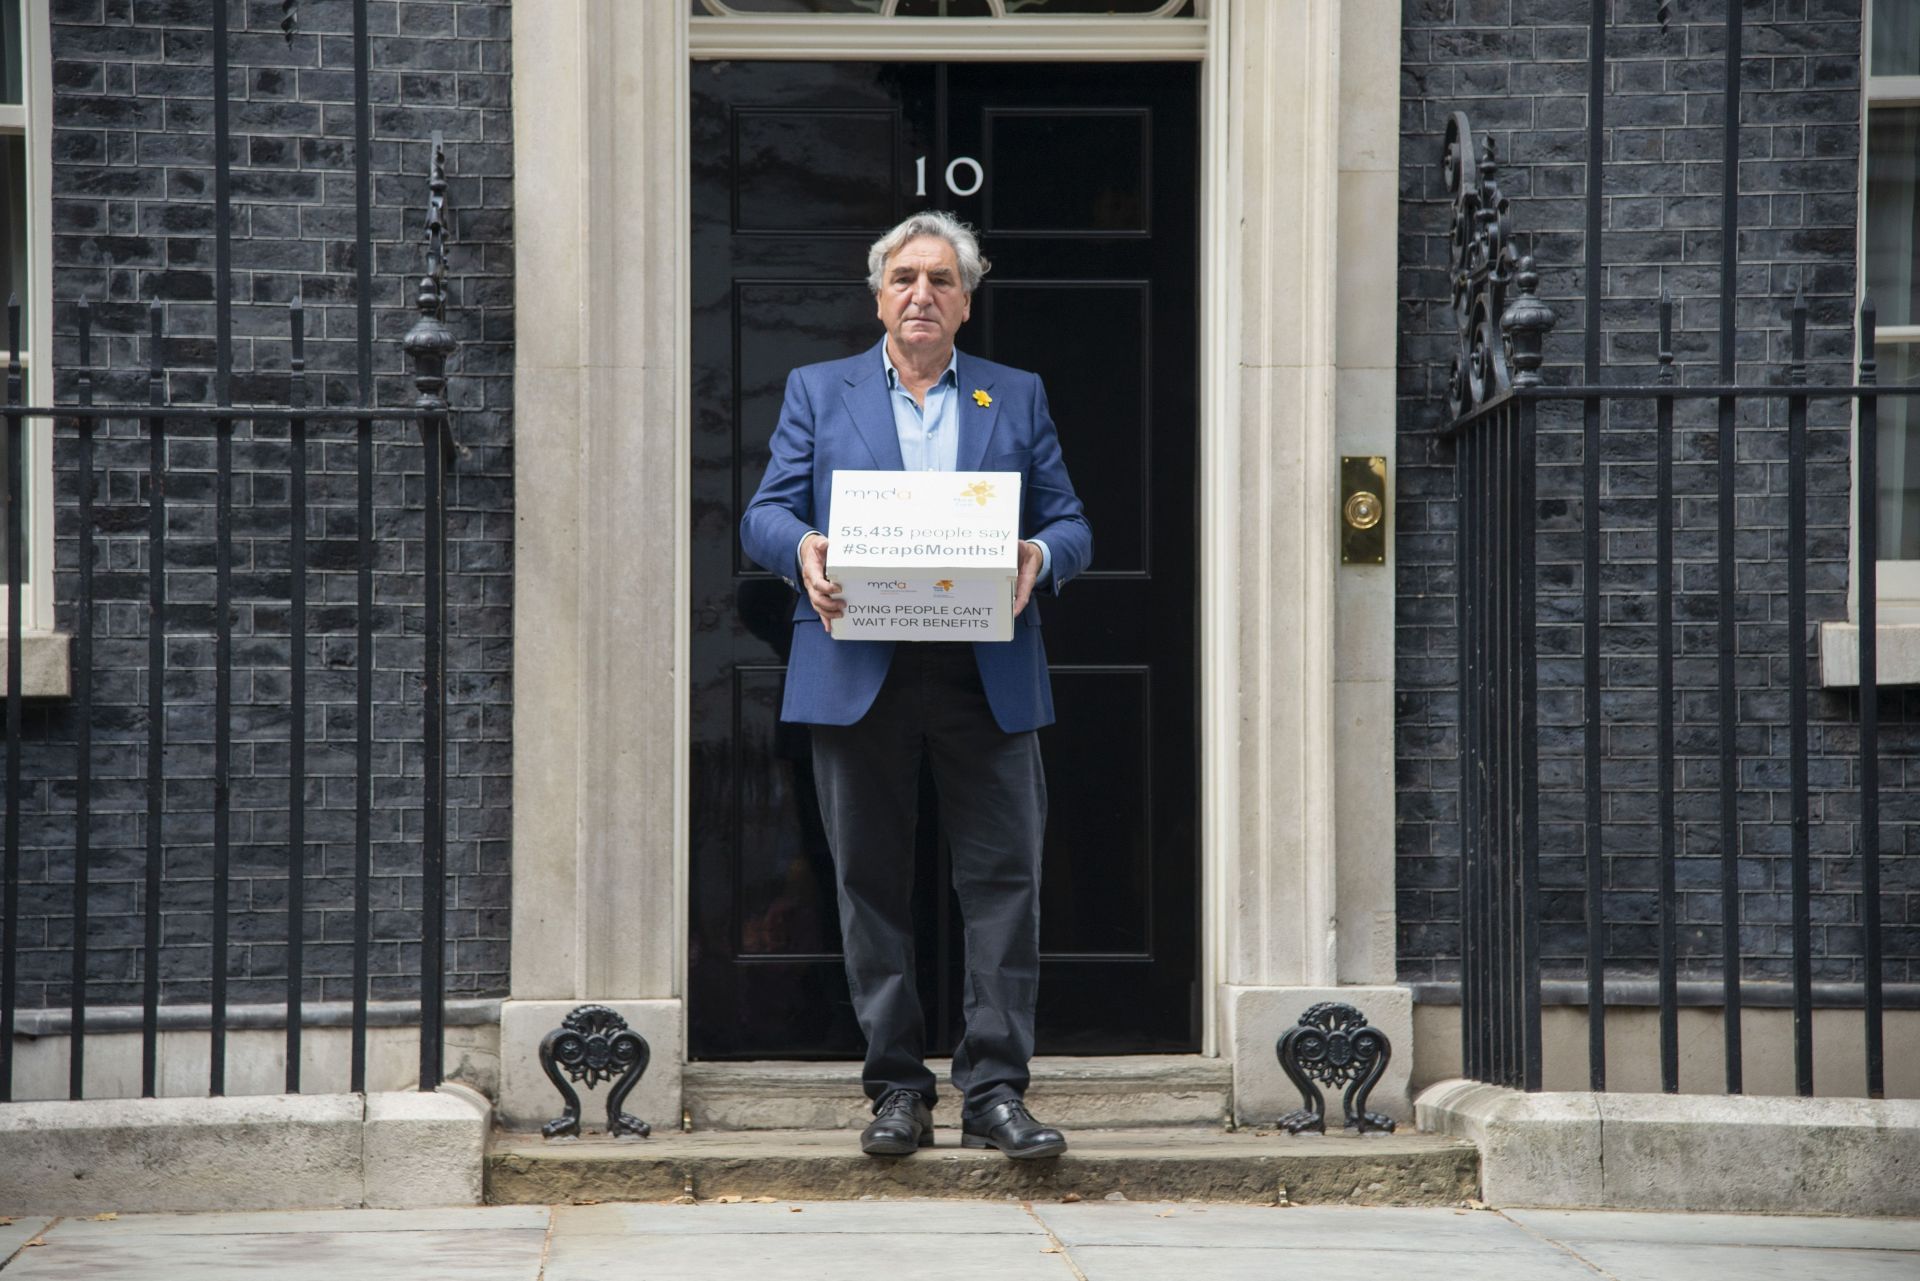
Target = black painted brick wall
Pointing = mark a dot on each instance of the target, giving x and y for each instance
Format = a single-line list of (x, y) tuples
[(1519, 68), (133, 224)]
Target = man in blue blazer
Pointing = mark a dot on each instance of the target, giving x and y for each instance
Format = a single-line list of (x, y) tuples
[(915, 403)]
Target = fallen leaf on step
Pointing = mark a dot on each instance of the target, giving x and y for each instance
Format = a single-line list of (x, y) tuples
[(1049, 1249), (36, 1241), (764, 1200), (586, 1200), (684, 1199), (1164, 1214), (1115, 1196), (1474, 1203), (106, 1216), (5, 1222), (793, 1209), (728, 1200), (1070, 1197)]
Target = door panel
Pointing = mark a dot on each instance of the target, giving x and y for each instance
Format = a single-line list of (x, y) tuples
[(1071, 171), (1086, 197), (1099, 385)]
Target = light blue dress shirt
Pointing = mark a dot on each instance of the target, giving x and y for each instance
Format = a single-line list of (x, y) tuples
[(930, 434)]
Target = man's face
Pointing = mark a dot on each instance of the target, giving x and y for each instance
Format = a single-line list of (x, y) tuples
[(922, 301)]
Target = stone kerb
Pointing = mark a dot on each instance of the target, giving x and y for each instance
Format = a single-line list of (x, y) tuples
[(1685, 1152), (264, 1152)]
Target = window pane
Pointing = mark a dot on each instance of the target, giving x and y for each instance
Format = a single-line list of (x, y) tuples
[(934, 8), (943, 9), (1896, 38), (1899, 454), (705, 9), (10, 51), (1134, 7), (13, 226), (1893, 214)]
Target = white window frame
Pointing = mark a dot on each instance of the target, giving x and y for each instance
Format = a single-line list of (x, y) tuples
[(33, 119), (1897, 581), (722, 31)]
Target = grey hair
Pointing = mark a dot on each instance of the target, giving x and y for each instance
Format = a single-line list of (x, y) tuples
[(930, 222)]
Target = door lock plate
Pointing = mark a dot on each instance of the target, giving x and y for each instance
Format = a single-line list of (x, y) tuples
[(1363, 509)]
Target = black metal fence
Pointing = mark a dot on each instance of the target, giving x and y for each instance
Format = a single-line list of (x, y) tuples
[(413, 442), (1499, 717), (1499, 405)]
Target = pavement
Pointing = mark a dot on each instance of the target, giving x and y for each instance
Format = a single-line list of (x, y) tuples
[(935, 1240)]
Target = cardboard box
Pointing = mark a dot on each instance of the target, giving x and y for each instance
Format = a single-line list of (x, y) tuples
[(925, 556)]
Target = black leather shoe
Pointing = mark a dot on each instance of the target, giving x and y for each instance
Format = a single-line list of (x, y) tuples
[(902, 1124), (1012, 1129)]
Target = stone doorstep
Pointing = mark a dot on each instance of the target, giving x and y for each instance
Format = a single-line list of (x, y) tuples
[(1084, 1093), (1134, 1164)]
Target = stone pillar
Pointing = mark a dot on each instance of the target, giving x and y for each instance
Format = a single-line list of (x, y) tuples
[(600, 406), (1307, 894)]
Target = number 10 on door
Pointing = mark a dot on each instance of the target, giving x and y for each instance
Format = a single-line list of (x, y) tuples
[(957, 164)]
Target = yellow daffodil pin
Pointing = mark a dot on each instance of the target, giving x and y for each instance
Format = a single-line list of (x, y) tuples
[(981, 399)]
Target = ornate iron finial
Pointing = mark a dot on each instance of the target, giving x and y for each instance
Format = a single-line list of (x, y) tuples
[(1482, 263), (1666, 337), (84, 376), (1869, 367), (297, 349), (289, 18), (429, 343), (1525, 325), (156, 371), (1333, 1043), (592, 1044), (1797, 351)]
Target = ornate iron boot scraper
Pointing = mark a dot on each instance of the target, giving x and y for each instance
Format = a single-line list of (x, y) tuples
[(1334, 1044), (593, 1044)]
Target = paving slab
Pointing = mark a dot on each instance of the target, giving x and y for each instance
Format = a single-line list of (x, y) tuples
[(526, 1218), (21, 1230), (460, 1255), (934, 1240), (1280, 1227), (803, 1256), (1650, 1261), (1233, 1263), (1140, 1164), (1655, 1227), (787, 1218)]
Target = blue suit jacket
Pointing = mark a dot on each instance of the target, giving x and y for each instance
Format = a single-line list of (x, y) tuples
[(838, 416)]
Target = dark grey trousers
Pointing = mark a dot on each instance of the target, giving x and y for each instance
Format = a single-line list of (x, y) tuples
[(993, 810)]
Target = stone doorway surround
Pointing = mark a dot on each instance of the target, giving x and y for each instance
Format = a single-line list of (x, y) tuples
[(1300, 134)]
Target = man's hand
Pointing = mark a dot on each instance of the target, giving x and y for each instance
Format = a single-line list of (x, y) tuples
[(1029, 570), (824, 594)]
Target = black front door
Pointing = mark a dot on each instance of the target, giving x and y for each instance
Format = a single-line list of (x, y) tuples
[(1083, 181)]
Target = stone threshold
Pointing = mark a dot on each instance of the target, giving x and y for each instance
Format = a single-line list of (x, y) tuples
[(1254, 1166), (1086, 1092)]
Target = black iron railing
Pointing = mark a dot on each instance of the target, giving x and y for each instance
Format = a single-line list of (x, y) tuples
[(1498, 399), (425, 433), (413, 443)]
